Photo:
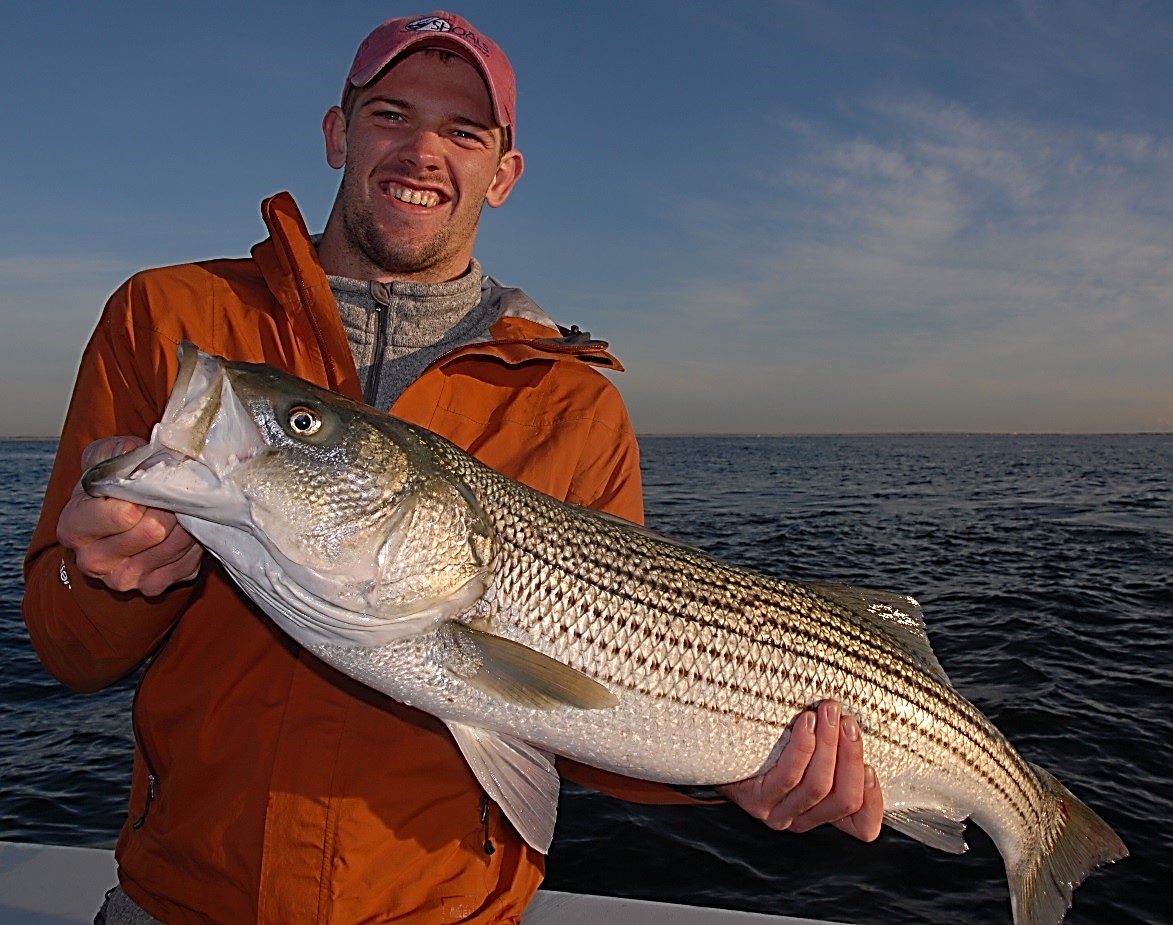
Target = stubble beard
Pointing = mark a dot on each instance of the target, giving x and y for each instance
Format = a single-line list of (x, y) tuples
[(381, 251)]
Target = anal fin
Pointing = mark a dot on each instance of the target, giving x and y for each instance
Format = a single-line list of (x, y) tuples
[(937, 828)]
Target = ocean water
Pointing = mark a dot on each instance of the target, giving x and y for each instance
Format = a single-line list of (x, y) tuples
[(1045, 569)]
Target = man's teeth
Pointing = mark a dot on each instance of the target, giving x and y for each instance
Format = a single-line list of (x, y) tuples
[(427, 199)]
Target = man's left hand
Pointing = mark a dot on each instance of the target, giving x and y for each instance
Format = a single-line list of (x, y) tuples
[(819, 776)]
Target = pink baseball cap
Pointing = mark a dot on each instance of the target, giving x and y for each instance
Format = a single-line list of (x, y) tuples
[(439, 30)]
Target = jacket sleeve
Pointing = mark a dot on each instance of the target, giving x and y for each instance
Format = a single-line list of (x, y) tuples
[(86, 635)]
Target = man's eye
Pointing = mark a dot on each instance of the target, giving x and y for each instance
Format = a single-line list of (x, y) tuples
[(467, 137)]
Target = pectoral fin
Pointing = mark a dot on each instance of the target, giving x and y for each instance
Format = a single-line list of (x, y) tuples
[(520, 778), (520, 675)]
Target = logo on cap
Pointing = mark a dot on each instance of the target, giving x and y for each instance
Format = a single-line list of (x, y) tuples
[(429, 24), (436, 24)]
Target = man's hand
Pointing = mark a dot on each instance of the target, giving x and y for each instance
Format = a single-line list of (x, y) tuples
[(126, 546), (819, 776)]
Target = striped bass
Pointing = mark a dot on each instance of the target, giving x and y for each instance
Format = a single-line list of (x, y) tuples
[(534, 628)]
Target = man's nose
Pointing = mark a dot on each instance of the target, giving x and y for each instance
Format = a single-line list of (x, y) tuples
[(422, 149)]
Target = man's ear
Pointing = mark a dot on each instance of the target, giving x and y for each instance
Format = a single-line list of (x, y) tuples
[(509, 171), (334, 132)]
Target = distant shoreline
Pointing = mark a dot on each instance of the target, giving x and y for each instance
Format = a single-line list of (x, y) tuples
[(749, 435), (910, 433), (29, 439)]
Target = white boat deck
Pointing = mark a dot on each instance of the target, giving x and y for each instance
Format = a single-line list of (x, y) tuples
[(42, 885)]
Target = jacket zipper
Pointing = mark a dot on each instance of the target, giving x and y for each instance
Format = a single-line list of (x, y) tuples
[(153, 782), (152, 777), (488, 846)]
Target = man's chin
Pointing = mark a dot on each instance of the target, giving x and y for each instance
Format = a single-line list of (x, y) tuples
[(405, 258)]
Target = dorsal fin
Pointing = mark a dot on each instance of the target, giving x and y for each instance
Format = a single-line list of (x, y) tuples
[(898, 615), (647, 532)]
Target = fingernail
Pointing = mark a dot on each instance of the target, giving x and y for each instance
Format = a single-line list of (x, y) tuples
[(850, 728), (809, 721), (831, 712), (869, 777)]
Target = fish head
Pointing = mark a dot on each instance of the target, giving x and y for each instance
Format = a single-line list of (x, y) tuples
[(333, 517)]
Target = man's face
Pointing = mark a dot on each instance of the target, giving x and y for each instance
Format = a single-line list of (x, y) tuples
[(421, 153)]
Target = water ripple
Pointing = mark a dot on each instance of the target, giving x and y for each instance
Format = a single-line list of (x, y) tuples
[(1042, 564)]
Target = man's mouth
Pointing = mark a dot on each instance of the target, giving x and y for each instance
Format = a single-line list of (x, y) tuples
[(425, 198)]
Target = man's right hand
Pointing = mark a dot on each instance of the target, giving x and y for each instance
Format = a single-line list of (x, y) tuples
[(126, 546)]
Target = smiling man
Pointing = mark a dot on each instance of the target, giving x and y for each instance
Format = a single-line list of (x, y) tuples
[(266, 786), (422, 151)]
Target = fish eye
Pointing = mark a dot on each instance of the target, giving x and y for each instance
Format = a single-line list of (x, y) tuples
[(304, 421)]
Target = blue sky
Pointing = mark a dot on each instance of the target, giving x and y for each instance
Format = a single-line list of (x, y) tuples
[(792, 216)]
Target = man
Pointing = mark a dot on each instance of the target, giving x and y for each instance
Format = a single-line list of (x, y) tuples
[(266, 786)]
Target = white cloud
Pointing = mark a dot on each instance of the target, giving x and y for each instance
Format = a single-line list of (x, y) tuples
[(941, 256)]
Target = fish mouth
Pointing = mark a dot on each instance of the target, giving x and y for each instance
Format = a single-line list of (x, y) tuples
[(204, 431)]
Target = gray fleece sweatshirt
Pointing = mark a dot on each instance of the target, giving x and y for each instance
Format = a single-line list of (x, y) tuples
[(396, 330)]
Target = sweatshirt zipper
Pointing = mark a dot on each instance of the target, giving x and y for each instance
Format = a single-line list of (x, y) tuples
[(375, 371)]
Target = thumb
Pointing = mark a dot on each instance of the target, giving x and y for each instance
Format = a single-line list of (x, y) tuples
[(108, 448)]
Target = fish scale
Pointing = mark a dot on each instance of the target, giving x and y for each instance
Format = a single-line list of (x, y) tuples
[(759, 693), (812, 651), (534, 628), (753, 696)]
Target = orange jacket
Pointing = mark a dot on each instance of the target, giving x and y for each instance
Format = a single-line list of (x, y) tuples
[(268, 787)]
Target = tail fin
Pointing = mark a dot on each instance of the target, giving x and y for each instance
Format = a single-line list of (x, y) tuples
[(1041, 885)]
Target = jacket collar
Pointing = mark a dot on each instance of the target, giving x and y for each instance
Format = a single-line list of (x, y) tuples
[(288, 261)]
